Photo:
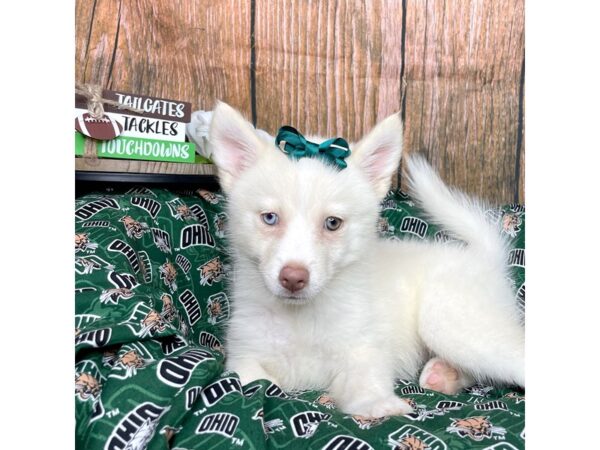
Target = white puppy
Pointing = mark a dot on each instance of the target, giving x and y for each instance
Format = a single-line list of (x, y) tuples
[(320, 302)]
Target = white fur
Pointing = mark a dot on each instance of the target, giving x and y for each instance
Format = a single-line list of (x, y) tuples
[(373, 310)]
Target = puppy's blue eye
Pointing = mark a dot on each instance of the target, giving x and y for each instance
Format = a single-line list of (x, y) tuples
[(270, 218), (333, 223)]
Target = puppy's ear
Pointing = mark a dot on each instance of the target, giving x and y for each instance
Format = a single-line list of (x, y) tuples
[(378, 153), (234, 143)]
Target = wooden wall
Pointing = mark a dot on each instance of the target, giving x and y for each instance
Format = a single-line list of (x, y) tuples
[(453, 68)]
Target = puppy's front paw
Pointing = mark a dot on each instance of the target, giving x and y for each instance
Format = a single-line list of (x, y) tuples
[(249, 372), (393, 406), (388, 406)]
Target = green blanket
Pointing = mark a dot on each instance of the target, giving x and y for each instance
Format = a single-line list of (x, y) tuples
[(151, 302)]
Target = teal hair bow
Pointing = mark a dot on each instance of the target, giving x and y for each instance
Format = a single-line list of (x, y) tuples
[(332, 151)]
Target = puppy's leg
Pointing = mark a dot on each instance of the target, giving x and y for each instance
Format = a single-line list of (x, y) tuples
[(438, 375), (249, 370), (365, 387), (473, 325)]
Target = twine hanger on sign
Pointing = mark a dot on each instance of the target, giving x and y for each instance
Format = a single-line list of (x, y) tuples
[(95, 101), (95, 105)]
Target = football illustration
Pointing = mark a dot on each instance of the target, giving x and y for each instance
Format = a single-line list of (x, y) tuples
[(103, 129)]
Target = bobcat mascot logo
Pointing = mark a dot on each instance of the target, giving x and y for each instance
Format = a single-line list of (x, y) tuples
[(511, 223), (180, 211), (326, 401), (113, 295), (421, 413), (217, 308), (518, 398), (479, 390), (130, 362), (86, 386), (168, 312), (211, 272), (411, 443), (210, 197), (86, 265), (168, 274), (183, 212), (365, 423), (153, 323), (220, 222), (410, 437), (384, 227), (476, 428), (131, 359), (83, 244), (134, 228)]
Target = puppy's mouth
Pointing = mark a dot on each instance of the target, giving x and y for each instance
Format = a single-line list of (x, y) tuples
[(294, 300)]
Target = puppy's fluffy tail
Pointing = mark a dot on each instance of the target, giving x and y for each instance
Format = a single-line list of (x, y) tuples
[(463, 217)]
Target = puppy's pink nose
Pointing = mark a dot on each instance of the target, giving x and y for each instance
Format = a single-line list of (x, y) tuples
[(293, 278)]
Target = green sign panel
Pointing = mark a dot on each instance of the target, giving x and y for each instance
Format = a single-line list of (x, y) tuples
[(146, 149), (79, 144)]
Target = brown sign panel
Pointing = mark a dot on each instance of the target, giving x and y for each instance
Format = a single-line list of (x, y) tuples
[(157, 108)]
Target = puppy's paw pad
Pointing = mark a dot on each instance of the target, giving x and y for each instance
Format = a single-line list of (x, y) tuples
[(440, 376)]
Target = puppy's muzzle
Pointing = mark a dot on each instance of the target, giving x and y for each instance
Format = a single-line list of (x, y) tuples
[(294, 277)]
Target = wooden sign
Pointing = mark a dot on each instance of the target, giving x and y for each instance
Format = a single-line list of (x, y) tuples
[(136, 127), (160, 118)]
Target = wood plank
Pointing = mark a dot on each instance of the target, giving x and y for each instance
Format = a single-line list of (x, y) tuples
[(150, 167), (463, 67), (84, 14), (521, 174), (98, 29), (196, 51), (327, 67)]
